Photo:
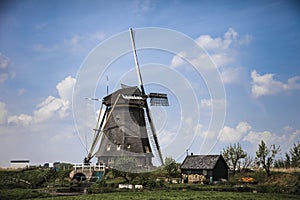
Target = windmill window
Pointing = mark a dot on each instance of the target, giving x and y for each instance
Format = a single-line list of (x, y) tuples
[(147, 149), (108, 147), (119, 147)]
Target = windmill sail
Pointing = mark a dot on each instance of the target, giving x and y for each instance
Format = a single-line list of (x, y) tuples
[(156, 98)]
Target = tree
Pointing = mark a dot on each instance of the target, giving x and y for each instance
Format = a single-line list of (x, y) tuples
[(280, 163), (287, 162), (245, 163), (233, 154), (265, 156), (170, 166), (295, 155)]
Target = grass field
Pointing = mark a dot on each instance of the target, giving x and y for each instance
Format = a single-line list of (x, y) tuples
[(46, 184), (155, 195)]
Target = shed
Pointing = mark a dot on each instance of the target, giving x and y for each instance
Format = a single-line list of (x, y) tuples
[(213, 167), (15, 164)]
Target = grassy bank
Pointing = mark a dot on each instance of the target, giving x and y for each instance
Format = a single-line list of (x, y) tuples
[(182, 194)]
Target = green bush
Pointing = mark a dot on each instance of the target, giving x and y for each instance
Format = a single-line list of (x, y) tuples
[(101, 186)]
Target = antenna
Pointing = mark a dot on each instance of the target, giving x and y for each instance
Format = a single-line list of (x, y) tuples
[(106, 85)]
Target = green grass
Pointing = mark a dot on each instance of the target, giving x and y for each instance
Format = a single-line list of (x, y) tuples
[(22, 194), (154, 195)]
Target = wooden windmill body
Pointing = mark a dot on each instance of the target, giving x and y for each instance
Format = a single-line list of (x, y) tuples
[(125, 132)]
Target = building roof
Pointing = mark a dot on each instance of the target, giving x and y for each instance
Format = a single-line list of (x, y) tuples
[(128, 95), (19, 161), (201, 161)]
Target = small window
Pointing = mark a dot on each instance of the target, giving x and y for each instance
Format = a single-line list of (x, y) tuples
[(108, 147), (147, 149), (119, 147)]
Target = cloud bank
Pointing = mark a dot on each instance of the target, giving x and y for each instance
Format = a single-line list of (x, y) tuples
[(50, 108), (263, 85), (222, 50)]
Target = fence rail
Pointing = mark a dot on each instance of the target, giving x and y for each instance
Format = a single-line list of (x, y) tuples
[(89, 167)]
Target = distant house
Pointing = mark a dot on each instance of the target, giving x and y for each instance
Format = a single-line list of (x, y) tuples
[(15, 164), (213, 167)]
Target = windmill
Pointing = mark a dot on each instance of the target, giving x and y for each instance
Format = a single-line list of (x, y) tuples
[(123, 125)]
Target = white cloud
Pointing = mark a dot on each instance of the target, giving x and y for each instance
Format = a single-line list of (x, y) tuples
[(288, 128), (218, 44), (65, 88), (177, 60), (5, 69), (207, 104), (232, 135), (98, 36), (26, 135), (223, 51), (22, 119), (166, 138), (3, 113), (4, 61), (222, 59), (3, 77), (61, 137), (256, 137), (51, 107), (21, 91), (76, 43), (230, 75), (243, 127), (266, 84), (284, 141), (243, 133), (141, 6)]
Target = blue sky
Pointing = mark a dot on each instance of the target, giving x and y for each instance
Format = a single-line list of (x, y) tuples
[(256, 47)]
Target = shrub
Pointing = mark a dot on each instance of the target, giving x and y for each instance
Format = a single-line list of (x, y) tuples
[(101, 186)]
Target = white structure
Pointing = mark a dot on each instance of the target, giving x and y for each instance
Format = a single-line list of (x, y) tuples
[(16, 164)]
